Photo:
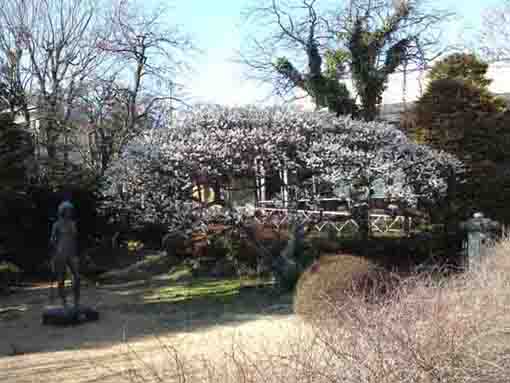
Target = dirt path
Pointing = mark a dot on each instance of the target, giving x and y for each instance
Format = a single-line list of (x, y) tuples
[(110, 363), (124, 337)]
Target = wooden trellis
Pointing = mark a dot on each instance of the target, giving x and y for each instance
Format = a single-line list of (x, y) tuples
[(338, 220)]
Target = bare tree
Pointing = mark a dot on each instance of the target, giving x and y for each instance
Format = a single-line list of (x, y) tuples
[(494, 35), (15, 81), (89, 64), (145, 56), (288, 50), (152, 55), (384, 36), (100, 104), (105, 105), (311, 47), (53, 45)]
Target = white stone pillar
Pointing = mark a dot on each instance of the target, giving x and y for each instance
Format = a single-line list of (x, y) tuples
[(262, 183), (285, 181)]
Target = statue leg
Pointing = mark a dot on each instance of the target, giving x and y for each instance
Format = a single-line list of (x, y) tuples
[(60, 270), (73, 266)]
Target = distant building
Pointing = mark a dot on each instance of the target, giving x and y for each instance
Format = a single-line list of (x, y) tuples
[(402, 91), (73, 145)]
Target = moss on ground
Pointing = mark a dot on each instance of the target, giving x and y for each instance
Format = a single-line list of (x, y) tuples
[(196, 289), (158, 263), (7, 267)]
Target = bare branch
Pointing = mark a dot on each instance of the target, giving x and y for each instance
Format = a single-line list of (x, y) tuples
[(63, 56), (149, 52), (290, 29), (55, 41), (494, 36)]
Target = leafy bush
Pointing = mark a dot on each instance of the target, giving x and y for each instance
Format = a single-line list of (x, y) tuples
[(26, 219), (461, 66), (458, 114), (9, 273), (457, 98), (149, 234), (16, 154), (448, 115), (436, 250)]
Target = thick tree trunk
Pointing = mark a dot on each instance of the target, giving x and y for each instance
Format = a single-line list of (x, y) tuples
[(370, 106)]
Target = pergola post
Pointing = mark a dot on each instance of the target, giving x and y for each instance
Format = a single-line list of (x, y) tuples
[(284, 176), (260, 180), (262, 183)]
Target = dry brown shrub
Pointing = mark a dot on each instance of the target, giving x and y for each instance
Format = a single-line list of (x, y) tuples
[(454, 330), (431, 330), (334, 280), (449, 330)]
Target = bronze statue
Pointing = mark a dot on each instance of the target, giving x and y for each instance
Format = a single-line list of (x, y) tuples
[(64, 240)]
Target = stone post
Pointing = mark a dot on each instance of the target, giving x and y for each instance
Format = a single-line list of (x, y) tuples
[(478, 230), (286, 266)]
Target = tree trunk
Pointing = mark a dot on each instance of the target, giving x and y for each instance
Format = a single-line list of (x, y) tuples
[(370, 107)]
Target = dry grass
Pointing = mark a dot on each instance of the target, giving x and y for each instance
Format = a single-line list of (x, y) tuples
[(430, 331)]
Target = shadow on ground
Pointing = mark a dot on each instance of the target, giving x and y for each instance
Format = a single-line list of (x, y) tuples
[(131, 311)]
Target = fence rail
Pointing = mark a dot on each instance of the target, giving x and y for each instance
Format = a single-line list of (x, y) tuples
[(337, 220)]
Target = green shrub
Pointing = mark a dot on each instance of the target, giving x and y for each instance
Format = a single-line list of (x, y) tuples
[(9, 274), (406, 254), (26, 219), (16, 154), (7, 267), (458, 114)]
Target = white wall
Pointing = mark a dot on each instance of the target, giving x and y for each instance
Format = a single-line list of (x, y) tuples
[(416, 83)]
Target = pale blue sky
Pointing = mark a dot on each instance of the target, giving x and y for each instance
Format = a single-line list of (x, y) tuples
[(215, 27)]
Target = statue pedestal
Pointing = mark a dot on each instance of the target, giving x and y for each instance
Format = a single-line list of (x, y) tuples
[(60, 316)]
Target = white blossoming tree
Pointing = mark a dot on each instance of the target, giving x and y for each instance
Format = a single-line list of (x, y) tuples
[(153, 180), (362, 153), (149, 185)]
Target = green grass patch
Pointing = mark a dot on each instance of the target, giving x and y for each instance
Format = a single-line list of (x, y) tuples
[(206, 301), (144, 269), (180, 272), (7, 267), (9, 275), (199, 289)]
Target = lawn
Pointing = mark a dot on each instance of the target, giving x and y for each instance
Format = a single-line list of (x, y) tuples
[(197, 316), (165, 303)]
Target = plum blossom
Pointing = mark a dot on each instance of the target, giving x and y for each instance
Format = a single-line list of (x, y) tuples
[(157, 172)]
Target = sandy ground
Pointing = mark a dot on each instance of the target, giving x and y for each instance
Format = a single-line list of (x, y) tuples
[(123, 340)]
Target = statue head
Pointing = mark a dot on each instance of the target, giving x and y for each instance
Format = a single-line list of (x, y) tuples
[(65, 210)]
